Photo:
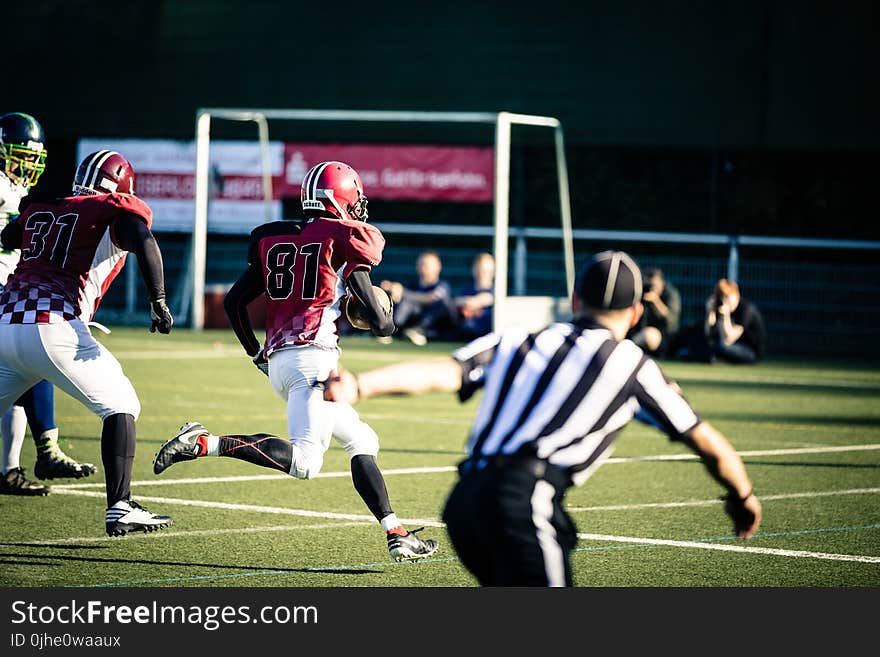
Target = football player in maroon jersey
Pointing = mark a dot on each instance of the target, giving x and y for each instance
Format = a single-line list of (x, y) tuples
[(71, 251), (23, 159), (303, 267)]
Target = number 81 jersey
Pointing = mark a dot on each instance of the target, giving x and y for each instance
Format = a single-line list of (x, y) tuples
[(304, 264), (68, 258)]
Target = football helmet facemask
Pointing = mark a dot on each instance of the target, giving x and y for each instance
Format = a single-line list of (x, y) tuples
[(336, 188), (103, 172), (21, 148)]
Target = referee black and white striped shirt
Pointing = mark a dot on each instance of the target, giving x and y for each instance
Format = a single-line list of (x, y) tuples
[(563, 394)]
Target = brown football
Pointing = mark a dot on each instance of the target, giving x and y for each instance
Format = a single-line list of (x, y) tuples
[(355, 312)]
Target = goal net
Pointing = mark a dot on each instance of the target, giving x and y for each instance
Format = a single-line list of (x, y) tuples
[(525, 311)]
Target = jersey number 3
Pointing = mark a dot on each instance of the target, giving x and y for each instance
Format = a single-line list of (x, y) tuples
[(280, 261), (41, 223)]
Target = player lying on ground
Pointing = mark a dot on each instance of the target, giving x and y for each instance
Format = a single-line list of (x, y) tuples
[(301, 266)]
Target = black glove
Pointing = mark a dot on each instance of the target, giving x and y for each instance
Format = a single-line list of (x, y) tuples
[(389, 312), (160, 317), (734, 506), (261, 362)]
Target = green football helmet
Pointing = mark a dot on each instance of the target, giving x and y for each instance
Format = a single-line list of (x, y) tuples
[(21, 148)]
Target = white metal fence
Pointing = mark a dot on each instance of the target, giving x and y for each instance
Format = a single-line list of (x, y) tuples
[(812, 304)]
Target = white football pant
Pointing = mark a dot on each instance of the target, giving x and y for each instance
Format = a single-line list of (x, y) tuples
[(295, 374), (66, 355)]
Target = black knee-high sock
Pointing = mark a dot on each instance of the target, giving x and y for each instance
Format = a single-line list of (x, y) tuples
[(117, 454), (370, 485), (261, 449)]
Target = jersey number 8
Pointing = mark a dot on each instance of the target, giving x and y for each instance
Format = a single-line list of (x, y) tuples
[(281, 260)]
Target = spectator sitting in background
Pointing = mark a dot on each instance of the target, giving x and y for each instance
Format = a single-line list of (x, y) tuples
[(474, 305), (422, 311), (659, 323), (733, 330)]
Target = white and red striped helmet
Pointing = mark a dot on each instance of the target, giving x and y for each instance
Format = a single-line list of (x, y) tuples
[(336, 188), (103, 172)]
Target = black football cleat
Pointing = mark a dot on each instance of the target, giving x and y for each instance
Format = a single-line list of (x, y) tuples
[(183, 447), (15, 483)]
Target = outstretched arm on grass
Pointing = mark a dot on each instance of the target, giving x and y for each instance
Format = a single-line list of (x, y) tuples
[(414, 378)]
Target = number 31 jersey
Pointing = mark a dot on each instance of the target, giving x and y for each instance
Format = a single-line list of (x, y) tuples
[(68, 258), (305, 264)]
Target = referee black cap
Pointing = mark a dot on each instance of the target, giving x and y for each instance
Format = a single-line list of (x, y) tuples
[(609, 280)]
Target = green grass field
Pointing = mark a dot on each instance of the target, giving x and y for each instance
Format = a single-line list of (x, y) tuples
[(809, 432)]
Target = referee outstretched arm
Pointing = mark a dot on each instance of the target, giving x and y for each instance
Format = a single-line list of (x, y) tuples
[(725, 465), (553, 404), (715, 450)]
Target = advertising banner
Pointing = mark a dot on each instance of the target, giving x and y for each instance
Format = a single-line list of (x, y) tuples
[(165, 176), (395, 172)]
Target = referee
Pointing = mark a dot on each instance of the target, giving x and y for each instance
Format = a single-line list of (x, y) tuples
[(553, 404)]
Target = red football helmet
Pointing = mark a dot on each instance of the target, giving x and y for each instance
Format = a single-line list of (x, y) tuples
[(104, 172), (336, 188)]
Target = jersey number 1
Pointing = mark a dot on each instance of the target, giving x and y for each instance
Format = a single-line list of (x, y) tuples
[(280, 261)]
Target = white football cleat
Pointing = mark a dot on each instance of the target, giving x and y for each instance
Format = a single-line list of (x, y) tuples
[(409, 547), (128, 516)]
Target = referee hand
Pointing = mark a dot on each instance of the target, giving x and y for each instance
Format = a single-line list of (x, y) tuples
[(745, 513)]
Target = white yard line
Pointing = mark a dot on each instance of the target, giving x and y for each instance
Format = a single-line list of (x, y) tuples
[(800, 554), (232, 353), (256, 508), (832, 383), (179, 355), (235, 478), (449, 468), (199, 532), (357, 519), (760, 452), (718, 502), (204, 352)]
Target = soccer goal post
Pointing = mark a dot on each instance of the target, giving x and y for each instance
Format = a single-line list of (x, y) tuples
[(529, 312)]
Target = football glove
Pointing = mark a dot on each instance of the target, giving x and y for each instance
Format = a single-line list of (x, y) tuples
[(261, 362), (160, 316), (735, 507)]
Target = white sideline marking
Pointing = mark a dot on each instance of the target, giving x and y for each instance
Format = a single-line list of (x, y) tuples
[(283, 528), (201, 352), (258, 509), (199, 532), (761, 452), (232, 353), (179, 355), (363, 519), (831, 383), (732, 548), (450, 468), (718, 502), (234, 478)]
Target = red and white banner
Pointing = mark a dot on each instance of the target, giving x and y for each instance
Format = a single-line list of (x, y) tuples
[(397, 172), (165, 176)]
